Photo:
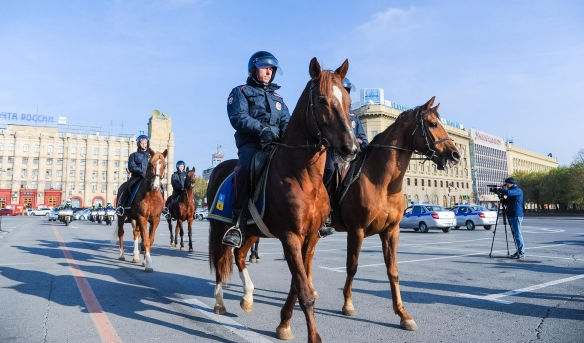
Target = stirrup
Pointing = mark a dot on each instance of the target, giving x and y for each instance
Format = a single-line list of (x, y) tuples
[(165, 211), (325, 231), (227, 237), (120, 211)]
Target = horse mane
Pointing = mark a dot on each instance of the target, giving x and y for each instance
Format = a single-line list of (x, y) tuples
[(400, 118), (326, 81)]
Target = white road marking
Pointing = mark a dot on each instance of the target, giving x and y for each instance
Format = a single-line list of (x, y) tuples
[(497, 297), (227, 322)]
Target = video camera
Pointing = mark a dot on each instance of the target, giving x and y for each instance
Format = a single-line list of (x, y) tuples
[(497, 190)]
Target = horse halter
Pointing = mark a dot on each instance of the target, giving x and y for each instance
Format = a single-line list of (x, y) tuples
[(430, 145)]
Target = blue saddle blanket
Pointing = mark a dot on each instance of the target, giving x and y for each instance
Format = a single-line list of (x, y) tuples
[(222, 207)]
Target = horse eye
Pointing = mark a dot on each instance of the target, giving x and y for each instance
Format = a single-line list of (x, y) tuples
[(433, 124), (322, 100)]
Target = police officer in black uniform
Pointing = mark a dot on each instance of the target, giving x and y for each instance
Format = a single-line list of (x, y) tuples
[(137, 165), (331, 167), (259, 116), (178, 182)]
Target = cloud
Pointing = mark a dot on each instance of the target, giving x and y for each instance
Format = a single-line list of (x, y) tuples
[(392, 20)]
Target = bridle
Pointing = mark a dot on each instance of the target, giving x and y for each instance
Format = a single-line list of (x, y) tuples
[(429, 142)]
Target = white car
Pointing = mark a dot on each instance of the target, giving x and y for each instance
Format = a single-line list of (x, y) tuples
[(54, 215), (474, 215), (41, 211), (422, 217), (201, 214)]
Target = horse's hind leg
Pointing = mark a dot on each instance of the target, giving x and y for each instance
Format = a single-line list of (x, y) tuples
[(179, 229), (136, 258), (389, 241), (300, 287), (246, 302), (354, 242), (121, 237)]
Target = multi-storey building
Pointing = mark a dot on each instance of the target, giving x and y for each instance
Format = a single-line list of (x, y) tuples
[(46, 164), (216, 158), (489, 165), (423, 182), (522, 160)]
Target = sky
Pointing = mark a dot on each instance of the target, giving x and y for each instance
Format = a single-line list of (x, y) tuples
[(512, 69)]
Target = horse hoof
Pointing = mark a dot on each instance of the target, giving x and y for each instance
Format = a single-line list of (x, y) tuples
[(246, 306), (284, 333), (219, 309), (148, 270), (182, 248), (258, 260), (191, 250), (316, 296), (409, 325), (136, 260), (253, 260), (121, 258), (349, 311)]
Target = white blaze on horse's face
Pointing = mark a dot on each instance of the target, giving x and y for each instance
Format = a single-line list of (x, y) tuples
[(157, 175), (338, 94)]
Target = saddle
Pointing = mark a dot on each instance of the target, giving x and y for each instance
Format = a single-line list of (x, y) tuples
[(259, 170)]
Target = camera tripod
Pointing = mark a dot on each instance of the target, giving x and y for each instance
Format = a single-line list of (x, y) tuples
[(503, 209)]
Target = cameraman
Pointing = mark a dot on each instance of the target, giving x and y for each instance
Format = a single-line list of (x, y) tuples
[(514, 204)]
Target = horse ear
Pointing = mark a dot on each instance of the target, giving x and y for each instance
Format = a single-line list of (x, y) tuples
[(435, 108), (430, 102), (343, 69), (314, 68), (187, 169), (165, 153)]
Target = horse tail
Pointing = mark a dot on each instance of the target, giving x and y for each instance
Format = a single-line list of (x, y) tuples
[(220, 255)]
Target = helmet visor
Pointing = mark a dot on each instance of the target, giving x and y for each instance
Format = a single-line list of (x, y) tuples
[(268, 61)]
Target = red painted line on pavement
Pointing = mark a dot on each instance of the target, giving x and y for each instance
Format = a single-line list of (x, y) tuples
[(102, 324)]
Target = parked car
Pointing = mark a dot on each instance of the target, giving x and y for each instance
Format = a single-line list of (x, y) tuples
[(423, 217), (54, 215), (201, 214), (82, 214), (7, 212), (41, 211), (474, 215)]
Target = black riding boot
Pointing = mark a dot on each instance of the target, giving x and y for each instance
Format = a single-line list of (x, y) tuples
[(234, 235), (330, 186)]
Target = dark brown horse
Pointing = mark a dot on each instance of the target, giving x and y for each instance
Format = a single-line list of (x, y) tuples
[(296, 200), (374, 203), (146, 209), (181, 209)]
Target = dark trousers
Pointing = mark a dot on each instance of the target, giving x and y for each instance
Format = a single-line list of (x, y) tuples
[(242, 174)]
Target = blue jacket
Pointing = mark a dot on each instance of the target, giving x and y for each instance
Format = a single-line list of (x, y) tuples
[(251, 107), (358, 130), (514, 201), (138, 163), (178, 181)]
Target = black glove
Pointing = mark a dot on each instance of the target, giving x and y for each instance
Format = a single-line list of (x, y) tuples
[(266, 136)]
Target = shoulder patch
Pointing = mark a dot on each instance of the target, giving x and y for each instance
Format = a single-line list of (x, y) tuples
[(242, 88), (278, 95)]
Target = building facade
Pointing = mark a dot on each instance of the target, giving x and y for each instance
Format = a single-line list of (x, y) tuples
[(489, 165), (523, 160), (423, 182), (42, 165)]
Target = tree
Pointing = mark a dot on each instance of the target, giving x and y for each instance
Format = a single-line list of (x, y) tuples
[(531, 184), (201, 190)]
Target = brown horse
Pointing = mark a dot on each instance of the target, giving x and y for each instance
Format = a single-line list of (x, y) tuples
[(181, 209), (374, 203), (296, 201), (146, 209)]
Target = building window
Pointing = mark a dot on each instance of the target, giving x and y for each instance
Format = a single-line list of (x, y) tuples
[(104, 176), (58, 185), (117, 152), (23, 184), (116, 163), (9, 171), (72, 186), (23, 173), (82, 174), (9, 184), (94, 163), (82, 163), (10, 159), (124, 176), (37, 148), (104, 163), (96, 151), (49, 149), (429, 183), (48, 173), (83, 150), (35, 161), (126, 152), (59, 161), (116, 175), (11, 147), (73, 150), (73, 163), (35, 172), (1, 159), (422, 182), (59, 173), (48, 185), (1, 146), (436, 185), (103, 187), (72, 173), (25, 147), (60, 149), (415, 182), (25, 160), (81, 186), (49, 161), (408, 181), (104, 151)]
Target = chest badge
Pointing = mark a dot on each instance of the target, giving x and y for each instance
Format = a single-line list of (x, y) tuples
[(278, 105), (230, 100)]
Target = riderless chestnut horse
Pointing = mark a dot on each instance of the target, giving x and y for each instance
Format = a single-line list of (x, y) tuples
[(181, 209), (146, 209), (297, 203), (374, 203)]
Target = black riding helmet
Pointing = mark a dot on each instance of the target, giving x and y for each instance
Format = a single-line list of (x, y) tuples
[(181, 162), (262, 59), (141, 137), (347, 85)]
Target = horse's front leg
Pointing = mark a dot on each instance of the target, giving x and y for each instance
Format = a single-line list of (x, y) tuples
[(169, 220), (300, 287), (121, 237), (307, 255), (246, 302), (354, 241), (190, 224), (137, 235), (149, 236), (179, 230), (389, 241)]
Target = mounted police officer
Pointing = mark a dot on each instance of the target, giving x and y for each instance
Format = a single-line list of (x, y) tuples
[(137, 165), (331, 167), (178, 182), (259, 116)]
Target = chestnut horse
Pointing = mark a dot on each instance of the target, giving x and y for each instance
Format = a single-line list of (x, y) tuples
[(181, 209), (374, 203), (146, 209), (296, 200)]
